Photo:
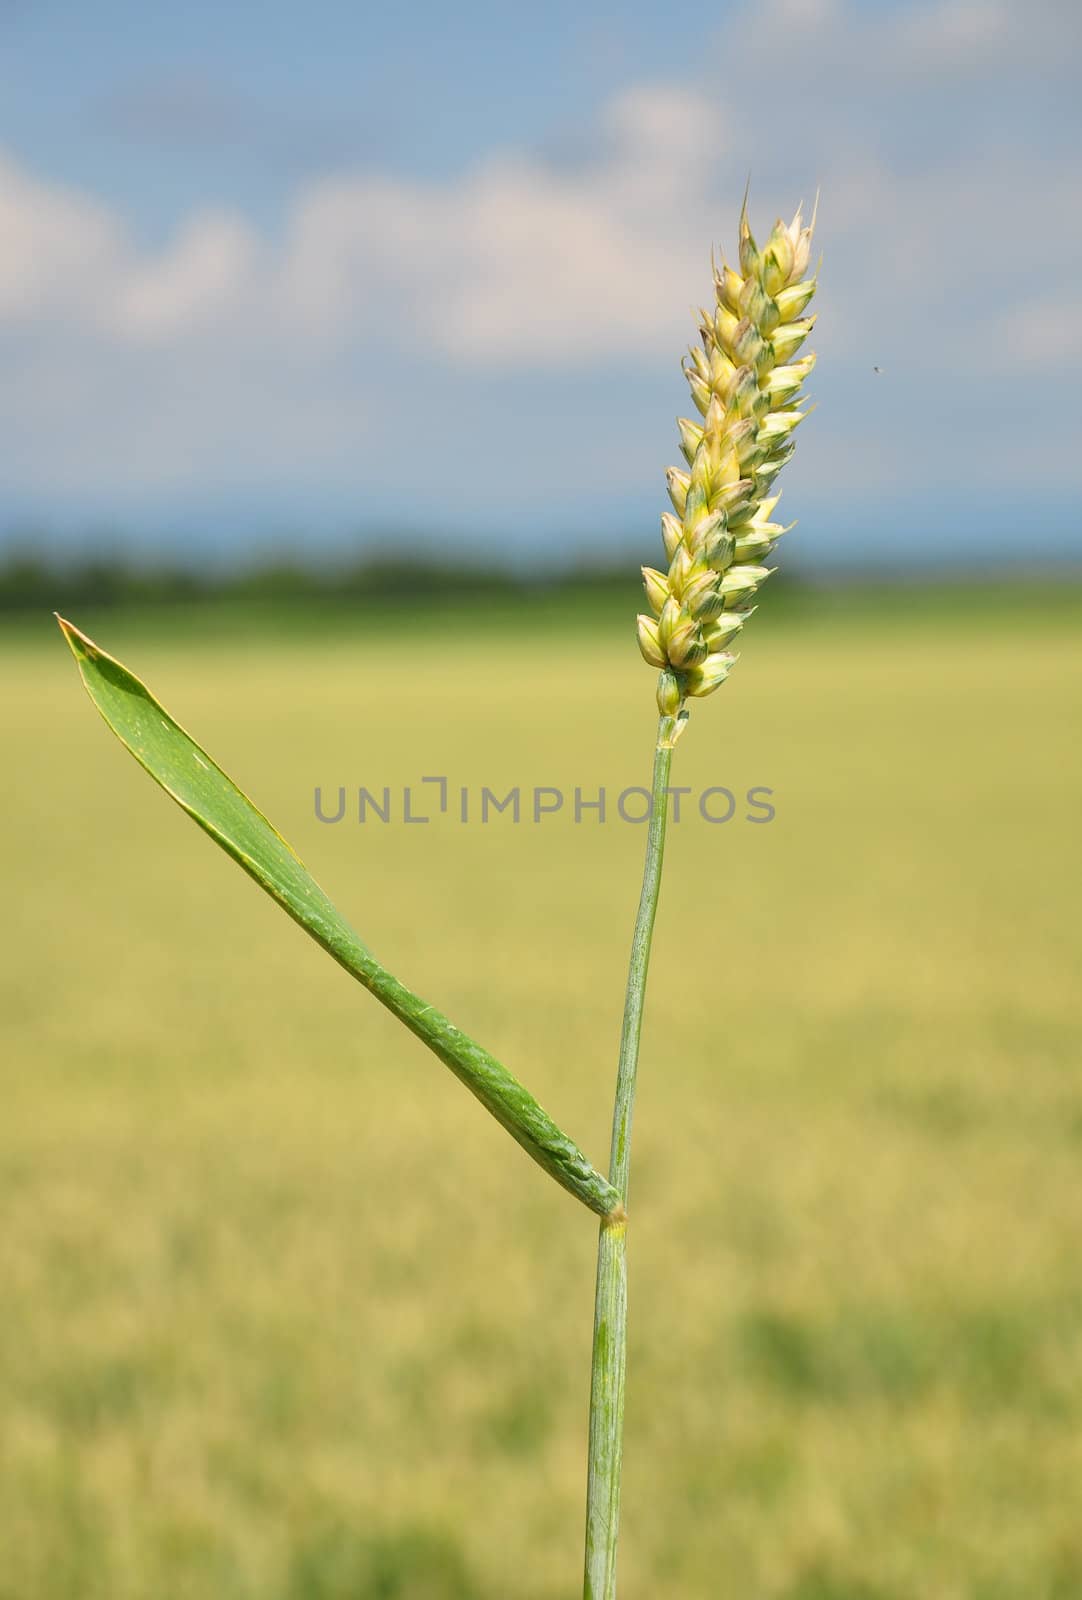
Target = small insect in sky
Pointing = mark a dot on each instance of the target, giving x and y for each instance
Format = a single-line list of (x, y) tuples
[(877, 369)]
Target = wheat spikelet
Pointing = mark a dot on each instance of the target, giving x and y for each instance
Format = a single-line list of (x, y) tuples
[(746, 381)]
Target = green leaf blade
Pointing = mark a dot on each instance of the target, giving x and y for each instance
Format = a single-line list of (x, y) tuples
[(201, 788)]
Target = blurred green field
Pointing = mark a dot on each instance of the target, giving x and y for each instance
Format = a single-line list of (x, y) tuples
[(286, 1317)]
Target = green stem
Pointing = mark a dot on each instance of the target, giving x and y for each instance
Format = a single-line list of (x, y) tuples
[(610, 1307)]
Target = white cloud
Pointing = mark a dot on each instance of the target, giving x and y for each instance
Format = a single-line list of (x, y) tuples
[(520, 262), (844, 42), (516, 260), (1044, 333), (511, 261), (67, 261), (58, 247), (178, 359), (966, 37), (201, 277)]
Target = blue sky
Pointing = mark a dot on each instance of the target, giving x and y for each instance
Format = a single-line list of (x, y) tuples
[(273, 274)]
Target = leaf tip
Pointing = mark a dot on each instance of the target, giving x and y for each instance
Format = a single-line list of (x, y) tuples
[(82, 648)]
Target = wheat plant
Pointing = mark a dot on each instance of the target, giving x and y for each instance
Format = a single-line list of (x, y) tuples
[(746, 380)]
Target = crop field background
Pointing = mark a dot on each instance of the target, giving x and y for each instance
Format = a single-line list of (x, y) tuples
[(287, 1317)]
